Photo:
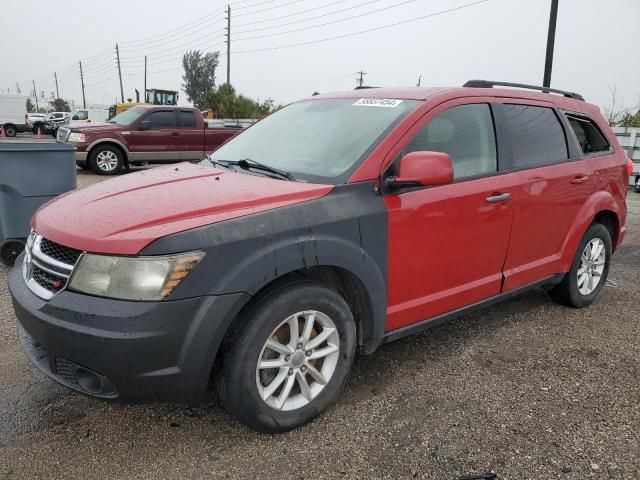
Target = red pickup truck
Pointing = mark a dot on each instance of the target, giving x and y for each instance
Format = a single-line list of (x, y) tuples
[(144, 134)]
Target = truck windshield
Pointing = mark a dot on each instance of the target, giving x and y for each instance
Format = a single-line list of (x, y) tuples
[(128, 116), (320, 140)]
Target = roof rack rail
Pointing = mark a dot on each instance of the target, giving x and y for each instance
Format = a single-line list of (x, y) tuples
[(491, 83)]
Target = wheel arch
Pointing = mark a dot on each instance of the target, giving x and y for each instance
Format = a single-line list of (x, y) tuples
[(114, 143), (601, 207)]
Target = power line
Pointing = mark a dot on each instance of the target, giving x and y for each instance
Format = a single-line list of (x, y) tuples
[(181, 46), (329, 23), (310, 18), (173, 39), (270, 8), (364, 31)]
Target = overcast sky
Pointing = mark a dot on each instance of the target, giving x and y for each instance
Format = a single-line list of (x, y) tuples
[(597, 44)]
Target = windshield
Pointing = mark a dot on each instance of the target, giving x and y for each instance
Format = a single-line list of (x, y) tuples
[(321, 141), (128, 116)]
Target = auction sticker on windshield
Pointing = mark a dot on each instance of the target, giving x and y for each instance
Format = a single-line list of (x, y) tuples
[(378, 102)]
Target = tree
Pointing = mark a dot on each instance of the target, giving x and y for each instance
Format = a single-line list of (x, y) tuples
[(226, 103), (30, 106), (199, 76), (60, 105), (621, 117)]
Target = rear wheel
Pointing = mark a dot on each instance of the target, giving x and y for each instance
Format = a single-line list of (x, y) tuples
[(106, 160), (289, 359), (589, 271), (10, 130), (637, 186)]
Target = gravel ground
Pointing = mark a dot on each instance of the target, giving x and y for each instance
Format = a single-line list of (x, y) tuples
[(527, 389)]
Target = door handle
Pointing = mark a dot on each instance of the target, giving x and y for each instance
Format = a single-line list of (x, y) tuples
[(175, 134), (498, 197), (578, 179)]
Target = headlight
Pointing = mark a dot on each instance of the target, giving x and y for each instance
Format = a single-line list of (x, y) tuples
[(77, 137), (132, 278)]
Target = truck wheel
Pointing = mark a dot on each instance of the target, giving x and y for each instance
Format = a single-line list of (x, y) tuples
[(35, 128), (582, 284), (10, 250), (289, 359), (106, 160), (10, 130)]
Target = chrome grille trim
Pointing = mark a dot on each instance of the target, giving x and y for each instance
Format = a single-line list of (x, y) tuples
[(35, 258)]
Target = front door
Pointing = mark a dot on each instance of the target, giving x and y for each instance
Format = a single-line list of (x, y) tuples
[(447, 244), (157, 142)]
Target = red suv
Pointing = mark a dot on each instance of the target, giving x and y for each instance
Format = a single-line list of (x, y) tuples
[(338, 223)]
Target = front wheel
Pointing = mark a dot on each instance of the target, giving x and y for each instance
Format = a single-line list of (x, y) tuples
[(10, 250), (589, 270), (106, 160), (289, 359)]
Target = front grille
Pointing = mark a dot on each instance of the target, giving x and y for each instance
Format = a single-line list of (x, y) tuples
[(62, 254), (48, 281), (47, 266)]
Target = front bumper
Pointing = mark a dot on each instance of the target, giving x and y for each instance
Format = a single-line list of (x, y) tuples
[(120, 349), (81, 157)]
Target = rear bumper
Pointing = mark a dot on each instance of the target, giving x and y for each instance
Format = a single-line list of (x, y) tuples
[(133, 351)]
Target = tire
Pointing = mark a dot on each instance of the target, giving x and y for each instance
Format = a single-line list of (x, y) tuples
[(242, 386), (637, 185), (83, 166), (106, 160), (10, 250), (10, 130), (36, 127), (578, 295)]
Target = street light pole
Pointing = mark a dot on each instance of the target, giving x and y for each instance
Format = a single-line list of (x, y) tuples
[(551, 40)]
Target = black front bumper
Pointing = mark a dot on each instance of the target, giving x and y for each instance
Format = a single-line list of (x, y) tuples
[(122, 349)]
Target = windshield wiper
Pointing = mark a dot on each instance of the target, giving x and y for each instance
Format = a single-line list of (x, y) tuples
[(247, 164)]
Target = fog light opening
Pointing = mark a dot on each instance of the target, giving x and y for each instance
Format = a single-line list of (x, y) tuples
[(88, 380)]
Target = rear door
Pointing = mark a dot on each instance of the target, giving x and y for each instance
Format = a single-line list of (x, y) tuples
[(549, 182), (157, 143), (190, 137), (447, 244)]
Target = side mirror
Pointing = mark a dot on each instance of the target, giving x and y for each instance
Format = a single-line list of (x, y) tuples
[(145, 125), (422, 169)]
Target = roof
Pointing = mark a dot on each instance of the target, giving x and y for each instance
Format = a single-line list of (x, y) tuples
[(446, 93)]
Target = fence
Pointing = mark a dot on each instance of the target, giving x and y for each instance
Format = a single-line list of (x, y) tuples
[(629, 139)]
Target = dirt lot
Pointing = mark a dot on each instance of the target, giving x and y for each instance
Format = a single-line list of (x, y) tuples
[(527, 389)]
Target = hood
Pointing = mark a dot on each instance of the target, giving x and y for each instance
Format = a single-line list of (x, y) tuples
[(125, 214), (95, 127)]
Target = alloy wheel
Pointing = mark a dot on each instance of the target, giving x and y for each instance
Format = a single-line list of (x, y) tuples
[(298, 360), (591, 266), (107, 161)]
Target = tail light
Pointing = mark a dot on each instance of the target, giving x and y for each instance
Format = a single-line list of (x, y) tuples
[(629, 167)]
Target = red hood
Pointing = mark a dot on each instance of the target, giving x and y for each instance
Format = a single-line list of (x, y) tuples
[(125, 214)]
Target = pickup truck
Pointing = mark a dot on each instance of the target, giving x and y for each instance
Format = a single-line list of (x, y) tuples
[(144, 134)]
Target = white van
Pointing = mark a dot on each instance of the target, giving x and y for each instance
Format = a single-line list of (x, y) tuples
[(87, 115), (13, 113)]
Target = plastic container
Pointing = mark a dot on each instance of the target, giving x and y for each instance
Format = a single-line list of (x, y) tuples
[(31, 174)]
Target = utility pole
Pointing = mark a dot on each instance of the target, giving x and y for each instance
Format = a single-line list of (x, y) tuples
[(145, 77), (419, 81), (551, 40), (55, 75), (228, 35), (119, 73), (35, 94), (360, 80), (18, 88), (84, 101)]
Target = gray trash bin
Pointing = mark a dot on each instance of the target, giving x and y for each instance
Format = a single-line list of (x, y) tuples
[(30, 175)]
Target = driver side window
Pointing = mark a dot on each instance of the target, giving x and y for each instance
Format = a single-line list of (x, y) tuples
[(467, 134)]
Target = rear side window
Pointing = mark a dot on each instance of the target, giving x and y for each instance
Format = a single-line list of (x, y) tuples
[(162, 119), (466, 133), (187, 119), (536, 135), (589, 136)]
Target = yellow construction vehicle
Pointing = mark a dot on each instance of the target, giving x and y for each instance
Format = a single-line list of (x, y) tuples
[(152, 96)]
